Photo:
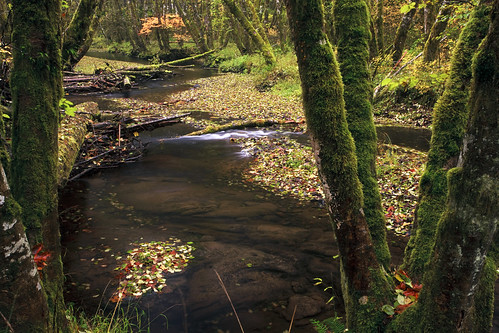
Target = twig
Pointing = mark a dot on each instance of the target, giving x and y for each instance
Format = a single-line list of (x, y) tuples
[(230, 301), (7, 322), (292, 319)]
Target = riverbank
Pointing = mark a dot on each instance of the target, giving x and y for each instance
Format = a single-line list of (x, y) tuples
[(285, 166)]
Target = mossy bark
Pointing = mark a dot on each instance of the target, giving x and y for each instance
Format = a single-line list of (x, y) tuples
[(22, 300), (71, 137), (36, 84), (364, 286), (352, 31), (452, 285), (79, 33), (431, 47), (263, 46), (4, 153), (449, 123)]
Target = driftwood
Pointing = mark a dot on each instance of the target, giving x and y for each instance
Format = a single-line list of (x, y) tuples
[(105, 82), (114, 143)]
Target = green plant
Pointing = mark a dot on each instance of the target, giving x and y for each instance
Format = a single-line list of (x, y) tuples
[(67, 107), (121, 320), (329, 325)]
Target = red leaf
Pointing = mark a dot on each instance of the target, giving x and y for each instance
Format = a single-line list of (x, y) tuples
[(401, 308), (40, 257)]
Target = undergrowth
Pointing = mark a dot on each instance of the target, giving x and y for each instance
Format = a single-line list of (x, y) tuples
[(121, 320), (329, 325)]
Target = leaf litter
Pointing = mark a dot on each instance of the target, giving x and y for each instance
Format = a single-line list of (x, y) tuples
[(146, 265)]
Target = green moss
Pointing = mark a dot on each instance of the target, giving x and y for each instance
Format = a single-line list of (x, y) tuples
[(480, 318), (449, 123), (352, 32), (77, 31), (36, 89)]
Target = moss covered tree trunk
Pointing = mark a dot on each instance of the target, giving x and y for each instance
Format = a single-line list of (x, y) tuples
[(80, 32), (23, 304), (430, 52), (457, 287), (36, 84), (352, 31), (364, 286), (449, 123), (403, 31), (469, 222), (256, 37)]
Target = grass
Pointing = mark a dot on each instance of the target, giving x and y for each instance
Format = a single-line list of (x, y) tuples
[(122, 320)]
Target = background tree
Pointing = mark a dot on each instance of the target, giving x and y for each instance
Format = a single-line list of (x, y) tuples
[(433, 41), (36, 84), (403, 30), (79, 34), (255, 34)]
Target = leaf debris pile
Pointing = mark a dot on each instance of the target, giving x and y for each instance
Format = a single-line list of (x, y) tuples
[(233, 97), (146, 265), (285, 167)]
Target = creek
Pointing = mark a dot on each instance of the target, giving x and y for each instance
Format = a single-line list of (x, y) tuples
[(266, 249)]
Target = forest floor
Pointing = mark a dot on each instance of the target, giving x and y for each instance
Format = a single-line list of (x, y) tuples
[(283, 165)]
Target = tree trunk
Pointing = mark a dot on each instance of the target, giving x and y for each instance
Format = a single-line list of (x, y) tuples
[(469, 222), (379, 26), (402, 31), (352, 22), (449, 123), (5, 22), (191, 26), (135, 27), (74, 135), (36, 84), (457, 288), (430, 52), (363, 282), (23, 305), (256, 37), (79, 32)]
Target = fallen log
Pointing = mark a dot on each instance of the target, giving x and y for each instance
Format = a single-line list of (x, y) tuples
[(164, 65), (155, 123), (71, 136)]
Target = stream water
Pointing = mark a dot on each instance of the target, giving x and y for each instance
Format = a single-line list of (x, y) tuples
[(267, 250)]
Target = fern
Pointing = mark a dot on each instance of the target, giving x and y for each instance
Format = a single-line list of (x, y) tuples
[(329, 325)]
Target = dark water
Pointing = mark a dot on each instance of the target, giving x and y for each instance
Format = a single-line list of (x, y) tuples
[(190, 188)]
